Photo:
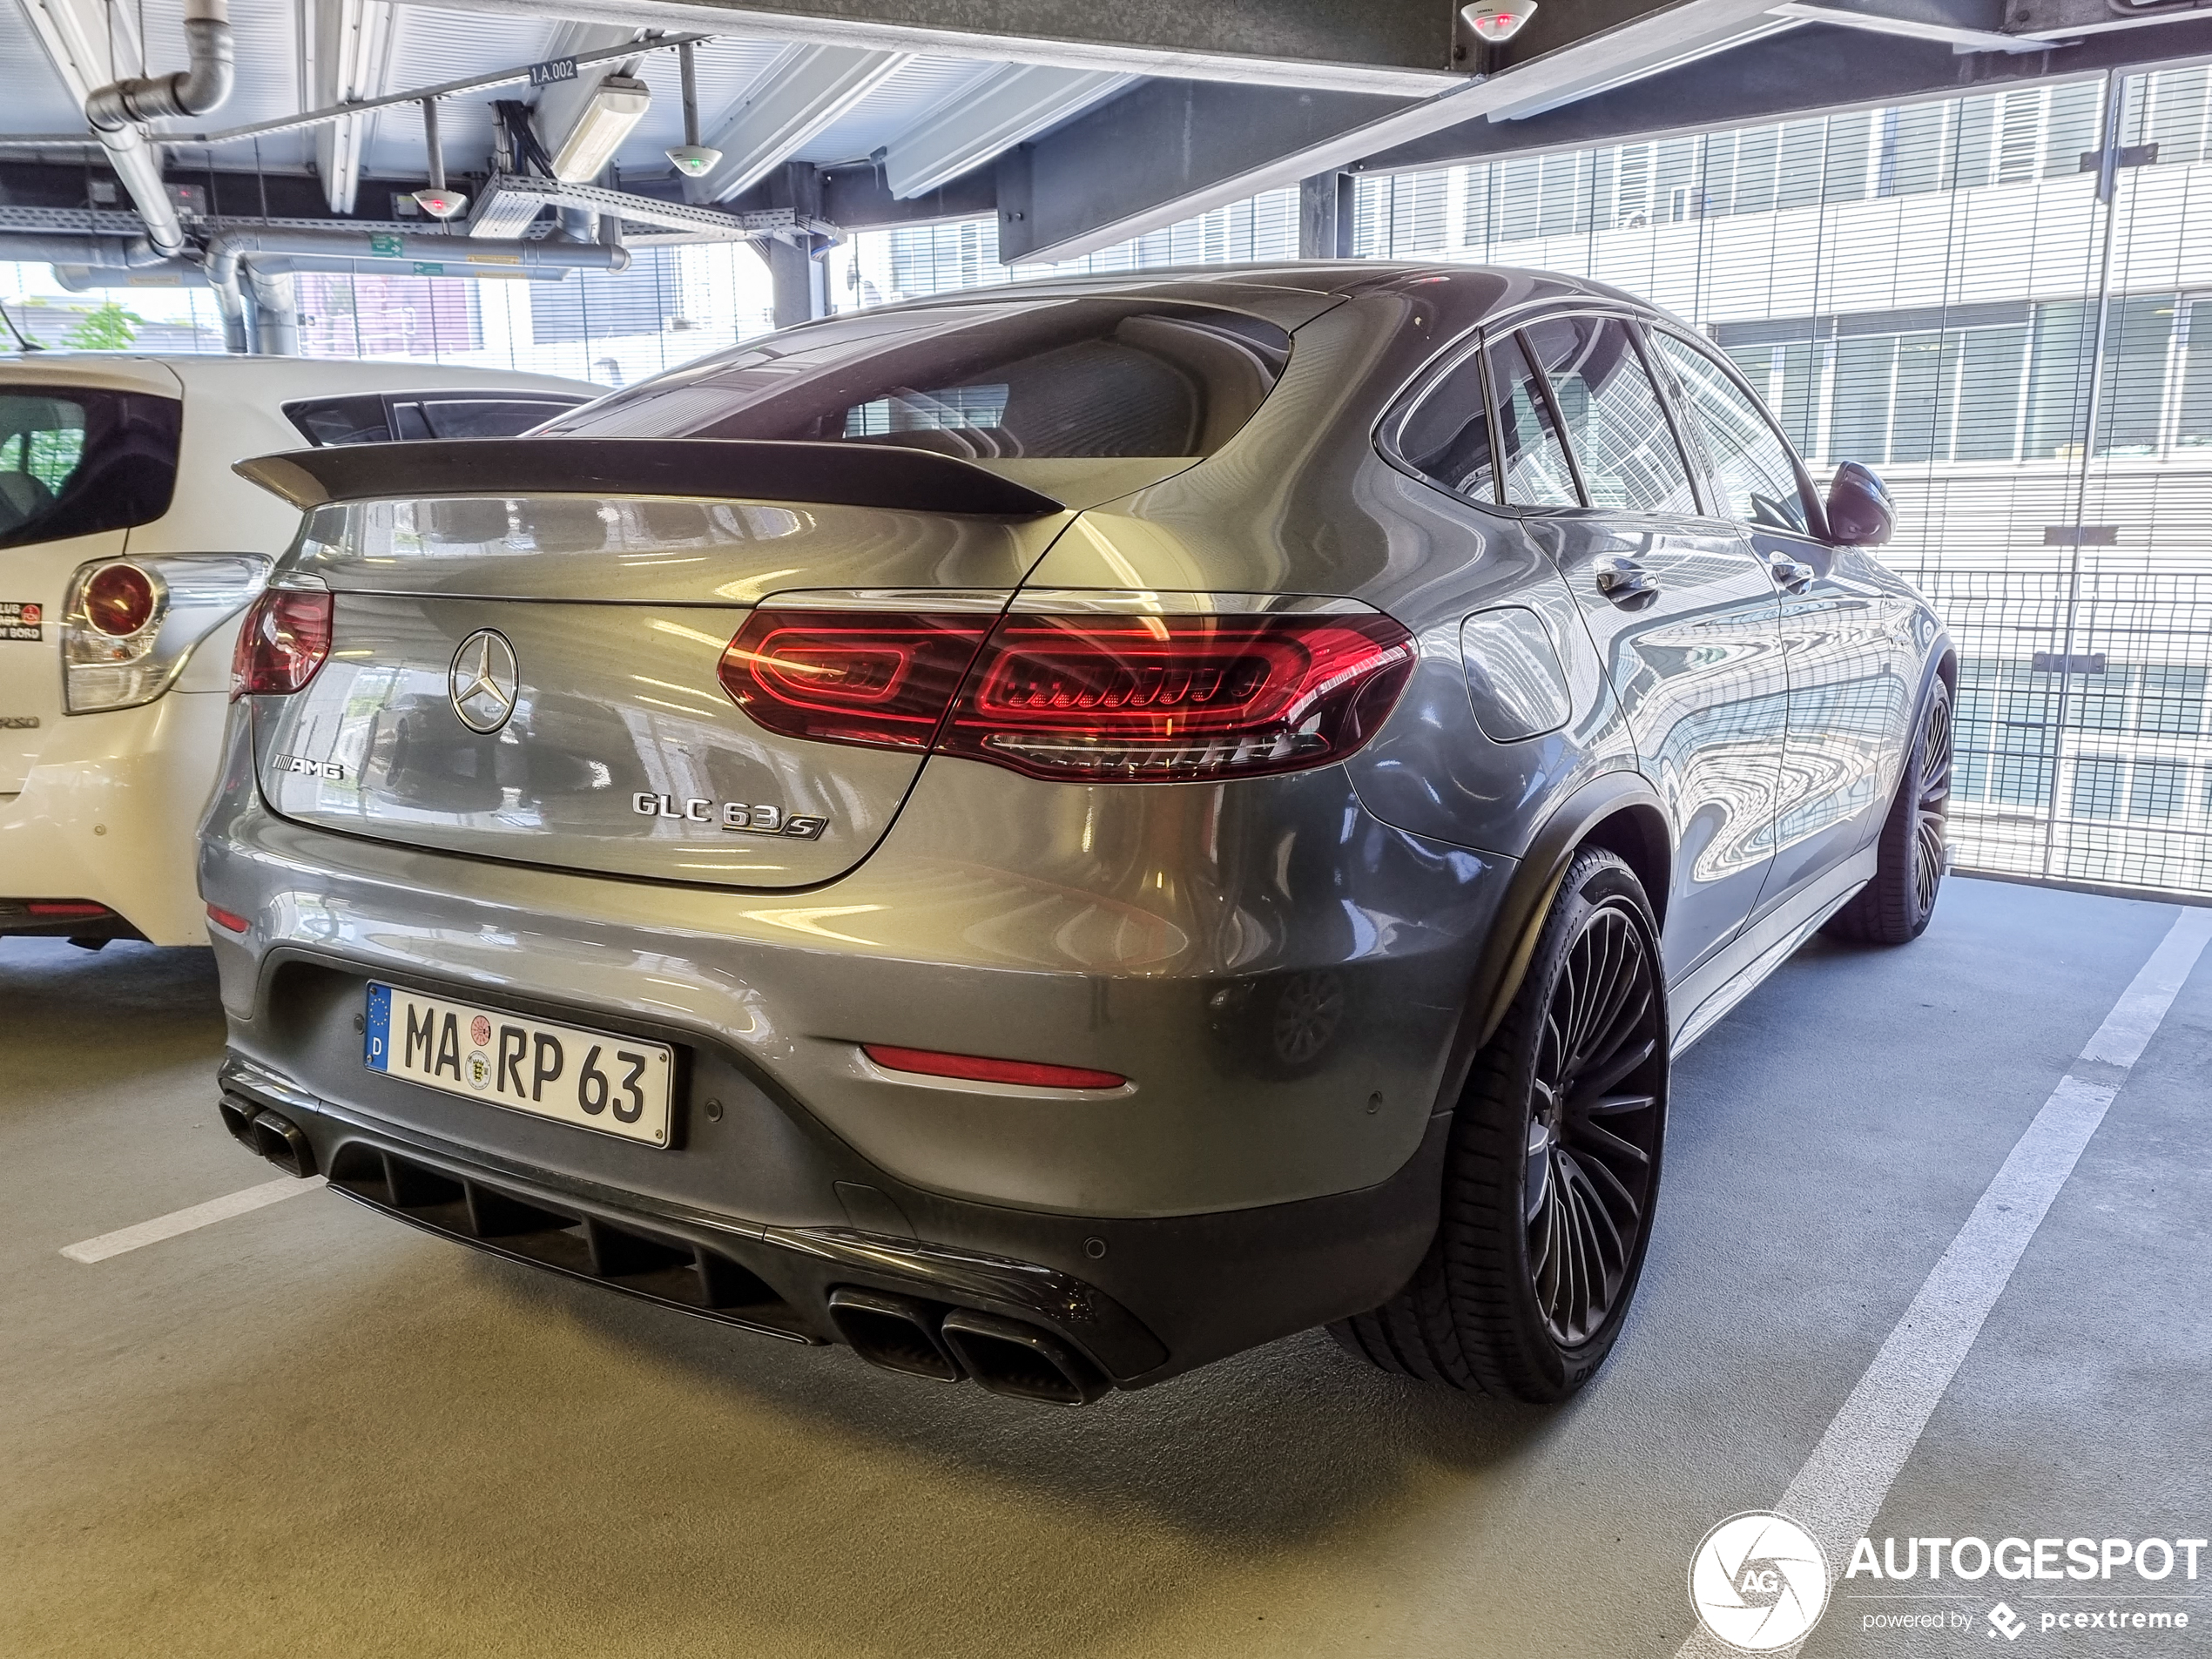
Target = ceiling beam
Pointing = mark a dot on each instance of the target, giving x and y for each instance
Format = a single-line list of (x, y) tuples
[(1170, 149), (1394, 48), (79, 34), (345, 48), (1800, 74), (1005, 108), (797, 95)]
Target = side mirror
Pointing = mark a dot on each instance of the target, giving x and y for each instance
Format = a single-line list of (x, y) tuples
[(1859, 510)]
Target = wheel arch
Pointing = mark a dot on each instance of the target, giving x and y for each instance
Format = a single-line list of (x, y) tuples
[(1619, 812)]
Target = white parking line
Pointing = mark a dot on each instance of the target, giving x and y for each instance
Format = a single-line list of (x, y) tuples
[(182, 1221), (1841, 1488)]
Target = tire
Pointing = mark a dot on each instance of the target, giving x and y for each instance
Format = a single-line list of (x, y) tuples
[(1894, 908), (1552, 1164)]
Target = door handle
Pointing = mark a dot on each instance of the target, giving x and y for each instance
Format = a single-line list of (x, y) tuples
[(1627, 583), (1793, 574)]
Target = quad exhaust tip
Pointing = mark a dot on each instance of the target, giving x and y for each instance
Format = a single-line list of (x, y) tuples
[(1006, 1356), (1020, 1360), (269, 1134), (895, 1332)]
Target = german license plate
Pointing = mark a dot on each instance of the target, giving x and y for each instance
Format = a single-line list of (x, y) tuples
[(592, 1079)]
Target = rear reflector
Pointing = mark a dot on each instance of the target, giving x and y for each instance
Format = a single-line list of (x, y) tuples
[(228, 920), (281, 643), (65, 909), (851, 676), (1170, 699), (1123, 699), (1027, 1074)]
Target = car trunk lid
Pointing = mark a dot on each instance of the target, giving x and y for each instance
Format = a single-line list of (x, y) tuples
[(533, 675)]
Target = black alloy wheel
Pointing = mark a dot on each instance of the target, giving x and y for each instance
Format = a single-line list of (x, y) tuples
[(1894, 908), (1588, 1178), (1554, 1165)]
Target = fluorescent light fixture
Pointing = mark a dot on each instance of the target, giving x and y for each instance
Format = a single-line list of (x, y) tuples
[(1497, 23), (618, 105)]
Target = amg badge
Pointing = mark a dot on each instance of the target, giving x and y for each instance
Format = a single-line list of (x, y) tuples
[(759, 818), (332, 769)]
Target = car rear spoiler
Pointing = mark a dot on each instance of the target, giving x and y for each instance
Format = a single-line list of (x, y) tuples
[(851, 475)]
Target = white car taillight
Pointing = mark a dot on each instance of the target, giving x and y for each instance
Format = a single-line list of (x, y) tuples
[(128, 624)]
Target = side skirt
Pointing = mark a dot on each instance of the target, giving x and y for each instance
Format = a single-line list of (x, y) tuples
[(1714, 988)]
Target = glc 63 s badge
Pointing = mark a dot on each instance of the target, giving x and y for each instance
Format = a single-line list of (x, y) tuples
[(758, 817)]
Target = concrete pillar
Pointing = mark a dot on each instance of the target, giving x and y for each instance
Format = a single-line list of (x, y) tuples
[(800, 283), (1325, 216)]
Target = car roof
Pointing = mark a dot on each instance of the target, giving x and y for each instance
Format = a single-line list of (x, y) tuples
[(1292, 293)]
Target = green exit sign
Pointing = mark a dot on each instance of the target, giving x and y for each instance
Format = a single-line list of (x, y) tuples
[(385, 244)]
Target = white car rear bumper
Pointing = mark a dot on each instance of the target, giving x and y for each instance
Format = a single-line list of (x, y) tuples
[(111, 812)]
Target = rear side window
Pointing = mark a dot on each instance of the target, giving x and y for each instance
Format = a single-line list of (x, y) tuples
[(74, 461), (1537, 473), (1447, 438), (1616, 423), (341, 420), (1008, 379), (1753, 472), (384, 417), (474, 417)]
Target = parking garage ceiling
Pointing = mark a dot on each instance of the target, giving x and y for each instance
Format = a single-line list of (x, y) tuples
[(1078, 125)]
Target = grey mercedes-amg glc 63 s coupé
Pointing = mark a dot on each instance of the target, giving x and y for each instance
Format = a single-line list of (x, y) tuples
[(1055, 834)]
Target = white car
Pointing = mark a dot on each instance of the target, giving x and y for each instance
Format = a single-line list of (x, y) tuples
[(128, 547)]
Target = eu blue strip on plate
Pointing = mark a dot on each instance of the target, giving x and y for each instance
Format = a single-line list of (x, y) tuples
[(376, 1047)]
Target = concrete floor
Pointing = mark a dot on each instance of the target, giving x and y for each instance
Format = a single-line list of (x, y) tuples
[(308, 1430)]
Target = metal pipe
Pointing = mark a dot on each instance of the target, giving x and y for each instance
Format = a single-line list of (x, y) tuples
[(431, 147), (86, 279), (276, 311), (106, 252), (339, 111), (196, 90), (261, 253), (116, 109), (690, 77)]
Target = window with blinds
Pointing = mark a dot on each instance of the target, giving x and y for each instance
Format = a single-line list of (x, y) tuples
[(1939, 290)]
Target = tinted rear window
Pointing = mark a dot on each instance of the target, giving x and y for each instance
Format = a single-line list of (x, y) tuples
[(74, 461), (380, 417), (1041, 378)]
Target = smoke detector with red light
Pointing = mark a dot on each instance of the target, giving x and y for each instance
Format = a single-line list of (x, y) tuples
[(1494, 24), (440, 204)]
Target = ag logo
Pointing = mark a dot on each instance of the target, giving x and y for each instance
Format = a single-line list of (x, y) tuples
[(1758, 1581)]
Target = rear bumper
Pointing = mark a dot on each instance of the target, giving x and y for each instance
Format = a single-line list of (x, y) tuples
[(1152, 1298), (1285, 993), (108, 813), (1283, 980)]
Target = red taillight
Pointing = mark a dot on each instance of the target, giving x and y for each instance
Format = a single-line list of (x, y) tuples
[(1174, 698), (1138, 699), (1028, 1074), (283, 641), (119, 600), (227, 919), (65, 909), (851, 676)]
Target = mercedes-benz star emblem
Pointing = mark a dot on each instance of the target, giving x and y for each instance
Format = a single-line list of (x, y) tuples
[(482, 681)]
